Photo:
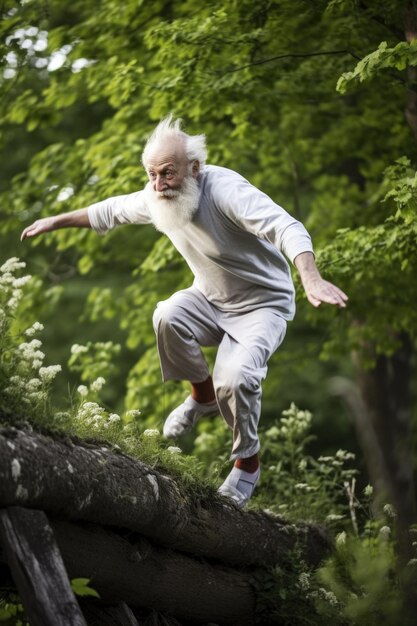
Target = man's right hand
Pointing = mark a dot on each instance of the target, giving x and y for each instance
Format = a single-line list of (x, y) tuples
[(76, 219), (44, 225)]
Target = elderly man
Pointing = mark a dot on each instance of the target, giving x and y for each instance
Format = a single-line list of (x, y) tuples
[(234, 238)]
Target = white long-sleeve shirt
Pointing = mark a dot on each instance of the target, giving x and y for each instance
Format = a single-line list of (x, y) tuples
[(234, 245)]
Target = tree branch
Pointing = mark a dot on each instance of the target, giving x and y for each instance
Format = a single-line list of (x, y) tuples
[(290, 55)]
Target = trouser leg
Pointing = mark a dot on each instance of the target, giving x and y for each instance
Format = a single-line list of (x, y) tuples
[(240, 367), (182, 324)]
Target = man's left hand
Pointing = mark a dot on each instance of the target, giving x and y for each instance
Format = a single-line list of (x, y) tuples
[(317, 289)]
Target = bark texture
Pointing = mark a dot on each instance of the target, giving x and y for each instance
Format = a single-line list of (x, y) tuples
[(147, 576), (97, 485), (386, 394), (139, 574), (37, 568)]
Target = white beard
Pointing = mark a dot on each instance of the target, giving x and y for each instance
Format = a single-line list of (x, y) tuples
[(173, 208)]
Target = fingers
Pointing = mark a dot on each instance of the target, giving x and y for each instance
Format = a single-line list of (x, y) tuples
[(38, 227), (335, 298), (314, 301), (30, 231), (25, 233), (327, 292)]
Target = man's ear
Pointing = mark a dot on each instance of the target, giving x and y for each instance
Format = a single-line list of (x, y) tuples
[(195, 170)]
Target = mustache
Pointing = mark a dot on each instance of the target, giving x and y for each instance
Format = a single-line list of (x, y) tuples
[(168, 193)]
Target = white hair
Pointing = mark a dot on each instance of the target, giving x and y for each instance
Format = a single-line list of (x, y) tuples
[(168, 128)]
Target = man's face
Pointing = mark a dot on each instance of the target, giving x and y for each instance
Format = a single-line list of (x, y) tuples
[(167, 168), (172, 195)]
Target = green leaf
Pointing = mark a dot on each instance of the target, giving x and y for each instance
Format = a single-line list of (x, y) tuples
[(80, 587)]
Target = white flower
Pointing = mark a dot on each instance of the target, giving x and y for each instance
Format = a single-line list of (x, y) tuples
[(385, 533), (92, 406), (20, 282), (133, 413), (12, 264), (174, 450), (48, 373), (82, 390), (33, 384), (97, 384), (113, 418), (77, 349), (151, 432), (344, 455), (389, 510), (13, 303), (304, 581), (329, 596), (5, 280), (61, 415), (37, 326), (17, 380), (37, 396), (28, 348)]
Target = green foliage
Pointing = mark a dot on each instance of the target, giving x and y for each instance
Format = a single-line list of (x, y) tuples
[(303, 487), (95, 360), (364, 575), (399, 57), (11, 610)]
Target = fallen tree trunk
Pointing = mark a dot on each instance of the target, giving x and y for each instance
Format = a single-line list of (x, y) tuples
[(143, 575), (98, 485), (37, 568)]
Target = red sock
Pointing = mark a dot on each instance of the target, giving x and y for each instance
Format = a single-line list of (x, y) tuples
[(203, 392), (250, 464)]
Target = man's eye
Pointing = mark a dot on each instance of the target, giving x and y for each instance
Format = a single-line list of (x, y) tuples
[(170, 174), (152, 175)]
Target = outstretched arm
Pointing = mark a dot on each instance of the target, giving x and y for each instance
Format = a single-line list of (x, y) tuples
[(77, 219), (317, 289)]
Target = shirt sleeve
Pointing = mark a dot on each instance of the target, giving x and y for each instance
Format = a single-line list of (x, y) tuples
[(254, 211), (126, 209)]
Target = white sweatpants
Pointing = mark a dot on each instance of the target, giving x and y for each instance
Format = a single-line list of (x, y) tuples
[(187, 321)]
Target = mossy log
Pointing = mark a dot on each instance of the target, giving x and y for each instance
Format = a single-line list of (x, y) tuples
[(122, 568), (92, 483)]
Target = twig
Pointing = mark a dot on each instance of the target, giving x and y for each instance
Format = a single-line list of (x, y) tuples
[(291, 55), (350, 490)]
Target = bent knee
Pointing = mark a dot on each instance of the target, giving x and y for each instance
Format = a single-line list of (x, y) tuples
[(231, 379), (167, 315)]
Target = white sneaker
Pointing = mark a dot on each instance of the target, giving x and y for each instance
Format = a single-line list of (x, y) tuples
[(183, 419), (239, 486)]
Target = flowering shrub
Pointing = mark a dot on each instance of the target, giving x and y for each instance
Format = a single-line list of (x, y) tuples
[(24, 380), (303, 487), (25, 385)]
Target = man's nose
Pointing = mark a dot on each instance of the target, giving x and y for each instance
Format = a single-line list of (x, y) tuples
[(160, 184)]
